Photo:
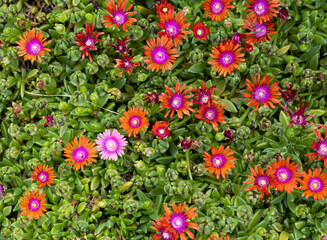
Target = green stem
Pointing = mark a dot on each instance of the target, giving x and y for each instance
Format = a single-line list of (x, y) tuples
[(208, 180), (187, 155), (245, 115), (183, 122)]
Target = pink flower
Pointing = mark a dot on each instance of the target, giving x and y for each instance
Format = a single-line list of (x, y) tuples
[(111, 144)]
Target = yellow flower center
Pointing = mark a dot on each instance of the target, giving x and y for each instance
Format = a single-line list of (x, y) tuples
[(165, 9), (162, 131), (218, 7), (199, 32), (315, 185), (88, 43)]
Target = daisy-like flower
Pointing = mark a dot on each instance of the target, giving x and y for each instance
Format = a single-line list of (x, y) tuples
[(164, 8), (119, 16), (213, 113), (289, 94), (174, 27), (121, 45), (43, 175), (260, 180), (314, 184), (226, 57), (221, 161), (260, 32), (160, 54), (248, 47), (126, 64), (320, 146), (261, 92), (178, 220), (134, 121), (111, 144), (262, 10), (151, 97), (80, 152), (200, 31), (160, 129), (33, 205), (177, 101), (87, 42), (203, 95), (217, 9), (32, 45), (285, 175), (161, 226)]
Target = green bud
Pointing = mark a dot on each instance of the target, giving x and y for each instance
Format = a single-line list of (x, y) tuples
[(55, 67), (7, 173), (277, 129), (116, 182), (62, 189), (206, 225), (184, 188), (290, 132), (13, 130), (301, 211), (135, 32), (170, 189), (196, 55), (141, 77), (199, 198), (243, 132), (272, 214), (171, 174), (63, 170), (182, 167), (61, 17), (307, 83), (219, 136), (245, 213), (264, 111), (23, 222), (199, 169), (60, 28), (143, 23), (30, 129), (46, 154), (262, 231), (103, 60), (234, 122), (161, 170), (74, 54), (140, 165), (130, 206), (12, 153), (17, 234), (264, 124), (59, 120), (78, 78), (41, 104), (65, 211), (252, 197)]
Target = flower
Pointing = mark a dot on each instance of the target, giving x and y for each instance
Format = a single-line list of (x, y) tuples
[(315, 184), (200, 31), (260, 180), (213, 113), (119, 16), (221, 238), (87, 42), (161, 226), (111, 144), (261, 93), (164, 8), (320, 146), (173, 27), (248, 47), (217, 9), (134, 121), (260, 32), (237, 38), (226, 56), (80, 152), (2, 190), (32, 45), (176, 101), (220, 162), (178, 220), (48, 120), (121, 45), (289, 94), (229, 134), (203, 95), (187, 143), (160, 53), (43, 175), (126, 64), (151, 97), (160, 129), (33, 205), (262, 10), (285, 175), (283, 15)]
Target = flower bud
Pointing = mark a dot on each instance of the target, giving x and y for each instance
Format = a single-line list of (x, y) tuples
[(62, 189), (264, 124), (199, 169), (249, 156), (252, 197), (116, 182), (59, 120), (264, 111), (42, 104), (12, 153), (206, 225), (103, 60), (74, 54), (301, 211), (234, 122), (277, 129), (7, 173), (30, 129), (143, 23), (149, 151), (245, 213), (92, 68), (182, 167), (13, 130), (135, 32), (196, 55), (229, 134), (46, 154), (243, 132), (199, 198), (184, 188), (170, 189)]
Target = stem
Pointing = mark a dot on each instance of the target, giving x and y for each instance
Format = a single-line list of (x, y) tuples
[(183, 121), (209, 180), (245, 115), (187, 155)]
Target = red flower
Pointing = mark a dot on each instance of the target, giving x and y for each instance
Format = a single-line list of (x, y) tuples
[(48, 121), (151, 97), (164, 8), (262, 10), (289, 94), (217, 9), (119, 16), (248, 47), (200, 31), (87, 42), (213, 113), (161, 226), (320, 146), (126, 64), (260, 180), (160, 129), (187, 143), (121, 45), (237, 37), (203, 95)]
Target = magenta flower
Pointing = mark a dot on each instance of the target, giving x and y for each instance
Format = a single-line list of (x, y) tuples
[(111, 144)]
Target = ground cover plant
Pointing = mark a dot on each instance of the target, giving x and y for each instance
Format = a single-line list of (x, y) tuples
[(163, 120)]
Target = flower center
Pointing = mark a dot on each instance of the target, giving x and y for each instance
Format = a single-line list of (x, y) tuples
[(226, 59), (298, 118), (43, 177), (178, 222), (218, 160), (283, 175), (164, 10), (162, 132), (177, 101), (119, 17), (172, 28), (34, 204), (204, 98), (135, 122), (200, 32), (315, 184), (80, 154), (217, 6), (166, 236), (34, 47), (322, 148), (261, 94), (111, 145), (260, 7), (127, 64), (89, 42), (160, 55), (260, 30), (262, 181), (210, 114)]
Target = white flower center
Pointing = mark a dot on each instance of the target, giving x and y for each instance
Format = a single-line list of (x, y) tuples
[(111, 145)]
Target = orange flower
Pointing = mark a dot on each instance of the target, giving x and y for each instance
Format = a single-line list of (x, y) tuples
[(173, 27), (119, 16), (134, 121), (220, 162), (31, 45), (320, 147), (261, 92), (32, 205), (163, 8), (160, 53), (80, 152), (260, 180), (285, 175), (315, 184), (43, 175), (161, 226), (260, 32), (160, 129), (176, 101), (178, 220), (262, 10), (213, 113), (217, 9), (200, 31), (226, 57)]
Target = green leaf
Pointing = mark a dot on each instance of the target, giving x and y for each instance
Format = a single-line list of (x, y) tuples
[(283, 118), (142, 197), (120, 83), (95, 183), (279, 198), (198, 67), (230, 107), (315, 112), (173, 149), (283, 50), (32, 73), (313, 62), (284, 235), (54, 33)]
